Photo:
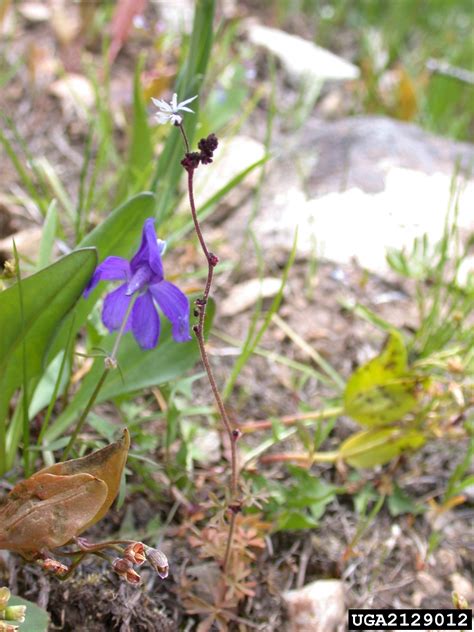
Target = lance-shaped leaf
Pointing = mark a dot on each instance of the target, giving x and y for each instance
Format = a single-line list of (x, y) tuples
[(48, 296)]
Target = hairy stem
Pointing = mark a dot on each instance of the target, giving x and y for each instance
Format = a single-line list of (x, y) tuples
[(198, 329)]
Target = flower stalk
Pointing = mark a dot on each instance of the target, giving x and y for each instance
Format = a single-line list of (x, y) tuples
[(110, 363), (190, 163)]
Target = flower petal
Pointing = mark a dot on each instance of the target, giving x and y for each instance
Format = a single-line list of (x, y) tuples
[(163, 118), (180, 105), (115, 306), (145, 322), (186, 109), (111, 269), (160, 103), (175, 306), (174, 102), (150, 251)]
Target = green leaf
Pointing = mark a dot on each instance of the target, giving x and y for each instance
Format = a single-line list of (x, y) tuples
[(139, 165), (48, 296), (309, 492), (118, 235), (138, 370), (376, 447), (191, 76), (47, 236), (382, 390), (400, 503), (36, 619), (293, 521), (141, 148)]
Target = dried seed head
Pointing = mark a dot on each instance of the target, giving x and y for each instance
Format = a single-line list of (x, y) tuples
[(158, 561), (124, 568), (135, 552)]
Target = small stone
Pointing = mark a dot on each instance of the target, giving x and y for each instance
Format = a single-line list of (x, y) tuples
[(463, 587), (301, 58), (246, 294), (317, 607)]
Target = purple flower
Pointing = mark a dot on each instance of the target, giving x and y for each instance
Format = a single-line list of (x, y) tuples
[(143, 276)]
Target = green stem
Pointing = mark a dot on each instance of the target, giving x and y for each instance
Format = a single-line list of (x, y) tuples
[(110, 363), (86, 411), (47, 418)]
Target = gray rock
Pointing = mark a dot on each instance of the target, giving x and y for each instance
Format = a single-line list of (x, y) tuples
[(370, 184)]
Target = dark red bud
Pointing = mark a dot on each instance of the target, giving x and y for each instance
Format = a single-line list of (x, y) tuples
[(213, 259)]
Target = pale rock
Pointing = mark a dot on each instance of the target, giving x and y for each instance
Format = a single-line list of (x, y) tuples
[(318, 607), (35, 11), (340, 226), (205, 443), (463, 586), (246, 294), (369, 184), (76, 95), (27, 242), (429, 584), (302, 59), (231, 158)]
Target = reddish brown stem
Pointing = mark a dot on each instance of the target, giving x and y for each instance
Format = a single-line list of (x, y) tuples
[(198, 329), (289, 420)]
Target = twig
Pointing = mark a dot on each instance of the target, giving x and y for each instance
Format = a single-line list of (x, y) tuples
[(265, 424)]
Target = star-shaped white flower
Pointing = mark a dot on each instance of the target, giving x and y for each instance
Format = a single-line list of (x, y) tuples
[(169, 111)]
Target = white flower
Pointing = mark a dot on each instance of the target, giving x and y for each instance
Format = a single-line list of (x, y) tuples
[(169, 111)]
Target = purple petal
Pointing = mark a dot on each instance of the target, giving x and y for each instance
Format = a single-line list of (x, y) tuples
[(149, 251), (111, 269), (145, 322), (115, 306), (175, 306)]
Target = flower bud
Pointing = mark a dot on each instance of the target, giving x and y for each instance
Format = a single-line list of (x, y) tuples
[(158, 560), (135, 552), (236, 434), (5, 595), (15, 613)]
